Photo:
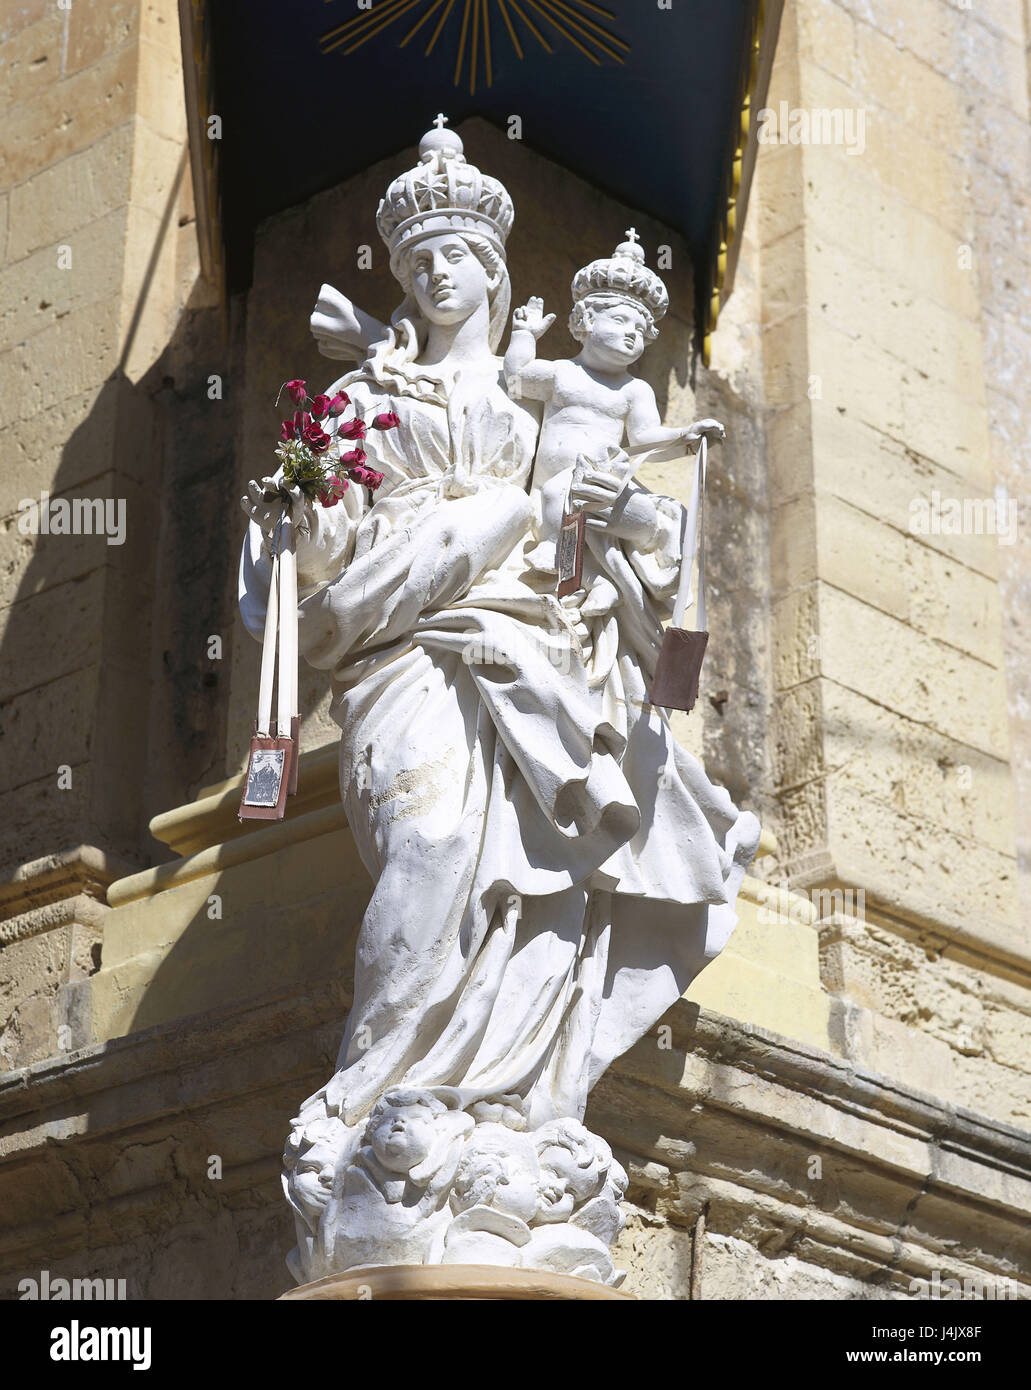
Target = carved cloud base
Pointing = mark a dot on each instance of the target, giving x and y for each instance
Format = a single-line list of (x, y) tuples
[(423, 1181), (439, 1282)]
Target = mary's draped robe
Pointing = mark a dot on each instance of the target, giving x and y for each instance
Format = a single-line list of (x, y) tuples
[(551, 868)]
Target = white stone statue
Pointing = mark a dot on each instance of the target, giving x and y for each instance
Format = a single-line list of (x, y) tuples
[(550, 868)]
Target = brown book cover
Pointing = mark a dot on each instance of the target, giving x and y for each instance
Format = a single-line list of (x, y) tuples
[(679, 666)]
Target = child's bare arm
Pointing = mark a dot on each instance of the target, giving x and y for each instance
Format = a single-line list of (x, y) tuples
[(644, 425), (524, 376), (645, 429)]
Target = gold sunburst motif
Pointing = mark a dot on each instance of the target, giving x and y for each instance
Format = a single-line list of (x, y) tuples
[(474, 26)]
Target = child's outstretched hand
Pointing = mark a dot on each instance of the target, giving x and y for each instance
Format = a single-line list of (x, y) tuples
[(711, 430), (531, 318)]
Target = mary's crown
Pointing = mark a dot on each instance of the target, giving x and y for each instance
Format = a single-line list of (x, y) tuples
[(443, 193)]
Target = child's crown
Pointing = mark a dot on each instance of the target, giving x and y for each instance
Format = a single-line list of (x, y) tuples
[(626, 275)]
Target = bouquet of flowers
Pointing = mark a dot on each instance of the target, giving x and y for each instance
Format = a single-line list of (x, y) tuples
[(320, 450)]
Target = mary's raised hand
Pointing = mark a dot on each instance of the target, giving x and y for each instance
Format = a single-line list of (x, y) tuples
[(265, 502)]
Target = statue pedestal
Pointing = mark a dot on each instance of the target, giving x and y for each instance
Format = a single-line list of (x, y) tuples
[(435, 1282)]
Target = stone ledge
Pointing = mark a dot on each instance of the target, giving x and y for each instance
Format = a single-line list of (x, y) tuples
[(990, 939), (911, 1169), (189, 1043), (66, 886)]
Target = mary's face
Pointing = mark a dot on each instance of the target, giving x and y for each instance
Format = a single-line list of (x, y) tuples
[(449, 281)]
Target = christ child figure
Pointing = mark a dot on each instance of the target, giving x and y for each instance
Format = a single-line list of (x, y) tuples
[(593, 404)]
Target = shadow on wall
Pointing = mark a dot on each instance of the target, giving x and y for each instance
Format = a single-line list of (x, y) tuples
[(112, 706)]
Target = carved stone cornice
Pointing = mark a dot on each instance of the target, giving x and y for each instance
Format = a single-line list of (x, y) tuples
[(716, 1117)]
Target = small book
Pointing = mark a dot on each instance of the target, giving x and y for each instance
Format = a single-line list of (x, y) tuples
[(570, 555)]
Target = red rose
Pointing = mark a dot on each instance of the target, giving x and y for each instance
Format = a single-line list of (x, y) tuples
[(354, 458), (354, 429), (316, 438), (388, 420), (301, 420), (287, 430), (331, 495), (319, 407), (367, 476), (339, 403), (297, 392)]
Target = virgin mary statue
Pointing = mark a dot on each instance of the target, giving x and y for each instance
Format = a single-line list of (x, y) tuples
[(550, 868)]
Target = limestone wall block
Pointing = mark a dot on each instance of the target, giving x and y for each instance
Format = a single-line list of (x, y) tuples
[(920, 864), (34, 447), (995, 1090), (845, 203), (784, 277), (941, 426), (52, 633), (33, 564), (34, 1016), (786, 357), (94, 31), (47, 814), (893, 1049), (38, 292), (57, 202), (793, 548), (1006, 1033), (780, 206), (796, 741), (905, 766), (827, 35), (880, 657), (62, 361), (789, 442), (952, 602), (854, 377), (69, 116), (32, 59), (896, 80), (796, 637), (879, 474), (49, 726), (925, 172), (944, 346), (862, 556), (1004, 16), (160, 92), (924, 27)]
